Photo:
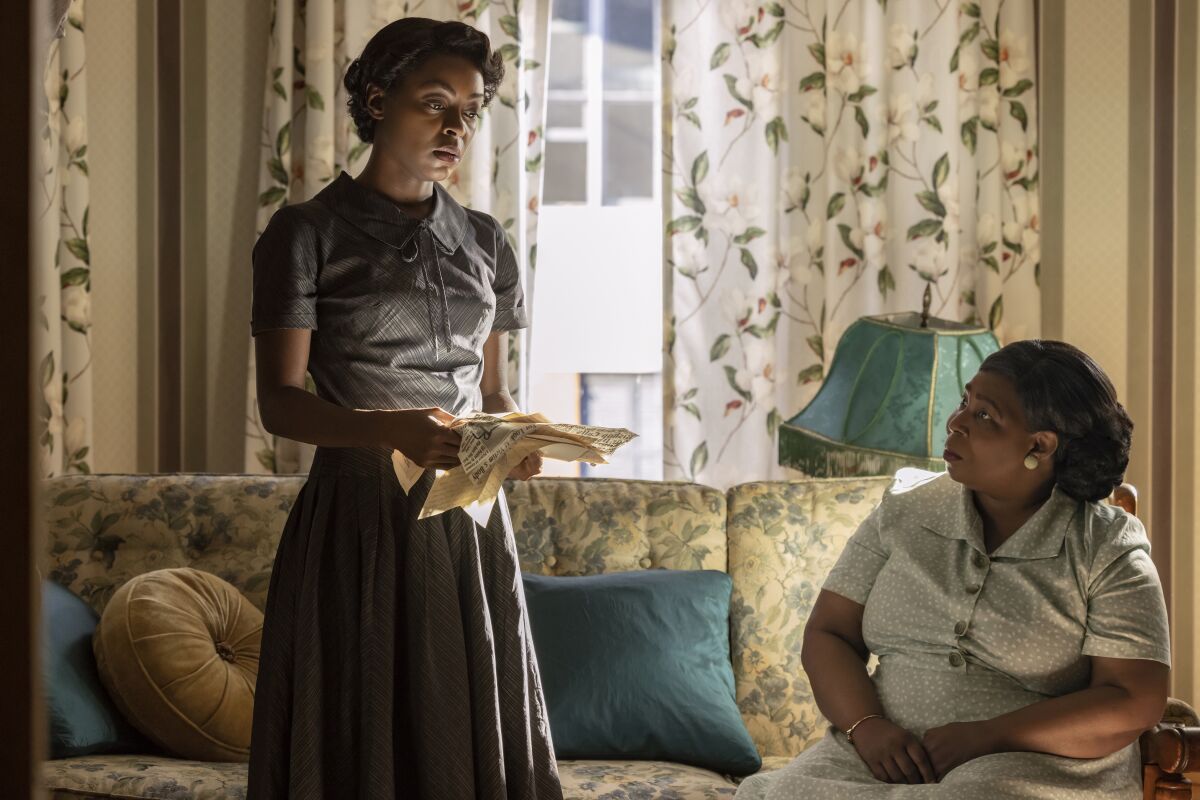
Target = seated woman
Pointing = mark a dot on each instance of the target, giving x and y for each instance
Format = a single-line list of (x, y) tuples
[(1018, 620)]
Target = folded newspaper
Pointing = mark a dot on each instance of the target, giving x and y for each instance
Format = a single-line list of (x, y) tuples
[(492, 446)]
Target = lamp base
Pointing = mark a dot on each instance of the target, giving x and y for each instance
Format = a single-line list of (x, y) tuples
[(821, 458)]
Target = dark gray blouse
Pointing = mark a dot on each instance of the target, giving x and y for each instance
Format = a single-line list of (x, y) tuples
[(399, 307)]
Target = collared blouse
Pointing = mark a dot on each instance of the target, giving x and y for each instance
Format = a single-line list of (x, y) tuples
[(399, 307), (1075, 580)]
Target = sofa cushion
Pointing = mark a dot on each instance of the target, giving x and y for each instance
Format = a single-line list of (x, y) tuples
[(783, 539), (587, 526), (594, 780), (636, 665), (159, 777), (81, 717), (178, 651), (93, 778), (101, 530)]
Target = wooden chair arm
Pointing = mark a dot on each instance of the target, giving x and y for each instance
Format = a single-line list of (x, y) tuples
[(1172, 748), (1169, 749)]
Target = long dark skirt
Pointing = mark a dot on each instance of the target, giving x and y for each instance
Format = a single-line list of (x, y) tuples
[(396, 657)]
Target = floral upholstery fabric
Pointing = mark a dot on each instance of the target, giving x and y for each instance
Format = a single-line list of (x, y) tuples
[(165, 778), (159, 777), (104, 529), (587, 526), (783, 540), (618, 780), (783, 537)]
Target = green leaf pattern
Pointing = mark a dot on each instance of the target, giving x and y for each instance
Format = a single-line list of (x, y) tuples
[(62, 256), (828, 160)]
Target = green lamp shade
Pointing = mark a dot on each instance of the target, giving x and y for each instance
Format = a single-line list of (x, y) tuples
[(886, 400)]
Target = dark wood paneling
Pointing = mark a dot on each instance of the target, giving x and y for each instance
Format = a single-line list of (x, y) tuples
[(19, 713)]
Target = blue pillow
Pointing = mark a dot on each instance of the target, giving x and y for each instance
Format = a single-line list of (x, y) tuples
[(635, 665), (82, 718)]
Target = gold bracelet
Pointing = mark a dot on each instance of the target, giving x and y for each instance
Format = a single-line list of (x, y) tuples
[(850, 730)]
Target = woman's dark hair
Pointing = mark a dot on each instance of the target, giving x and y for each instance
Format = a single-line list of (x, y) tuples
[(1063, 390), (400, 47)]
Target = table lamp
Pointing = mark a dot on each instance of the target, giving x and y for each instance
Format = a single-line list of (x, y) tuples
[(893, 383)]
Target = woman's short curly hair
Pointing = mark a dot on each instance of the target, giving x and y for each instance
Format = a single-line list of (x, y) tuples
[(1062, 389), (400, 47)]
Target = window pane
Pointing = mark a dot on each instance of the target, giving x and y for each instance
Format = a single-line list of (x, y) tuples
[(564, 114), (626, 401), (566, 172), (566, 58), (573, 10), (629, 58), (628, 151)]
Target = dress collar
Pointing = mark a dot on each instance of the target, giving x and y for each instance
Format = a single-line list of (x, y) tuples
[(382, 219), (1041, 536)]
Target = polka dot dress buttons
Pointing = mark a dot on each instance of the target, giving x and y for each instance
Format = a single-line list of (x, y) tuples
[(980, 560), (973, 588), (956, 659), (960, 629)]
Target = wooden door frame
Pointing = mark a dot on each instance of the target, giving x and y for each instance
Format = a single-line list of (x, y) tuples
[(20, 690)]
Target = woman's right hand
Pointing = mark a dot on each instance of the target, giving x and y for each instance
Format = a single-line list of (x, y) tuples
[(893, 754), (423, 436)]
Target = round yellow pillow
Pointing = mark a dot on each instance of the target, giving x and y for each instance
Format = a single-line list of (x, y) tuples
[(178, 651)]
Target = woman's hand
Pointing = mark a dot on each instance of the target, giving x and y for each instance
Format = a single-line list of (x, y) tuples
[(527, 467), (957, 743), (422, 435), (893, 754)]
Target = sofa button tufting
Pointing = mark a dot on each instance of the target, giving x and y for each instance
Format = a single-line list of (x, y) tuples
[(226, 652)]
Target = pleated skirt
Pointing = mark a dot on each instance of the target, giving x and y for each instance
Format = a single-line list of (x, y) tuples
[(397, 660)]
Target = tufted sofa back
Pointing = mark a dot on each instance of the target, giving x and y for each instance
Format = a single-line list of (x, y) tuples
[(777, 541)]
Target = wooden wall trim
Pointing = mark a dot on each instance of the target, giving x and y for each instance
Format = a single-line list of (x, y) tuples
[(1187, 354), (1163, 286), (1051, 36), (169, 230)]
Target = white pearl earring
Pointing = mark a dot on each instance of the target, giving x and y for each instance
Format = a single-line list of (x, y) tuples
[(1031, 462)]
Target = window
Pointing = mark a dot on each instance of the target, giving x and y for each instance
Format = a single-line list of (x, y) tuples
[(596, 354)]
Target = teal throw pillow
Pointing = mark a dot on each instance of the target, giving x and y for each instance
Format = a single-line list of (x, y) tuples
[(82, 718), (635, 665)]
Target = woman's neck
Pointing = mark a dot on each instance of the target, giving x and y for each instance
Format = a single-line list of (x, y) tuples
[(1004, 516), (413, 195)]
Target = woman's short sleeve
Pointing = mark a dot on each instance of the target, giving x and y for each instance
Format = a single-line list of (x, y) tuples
[(510, 297), (285, 274), (854, 573), (1127, 616)]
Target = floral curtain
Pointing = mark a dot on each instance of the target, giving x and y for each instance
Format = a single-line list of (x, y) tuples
[(307, 137), (62, 271), (829, 159)]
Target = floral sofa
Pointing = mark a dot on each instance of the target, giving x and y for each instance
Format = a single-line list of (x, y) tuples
[(777, 541)]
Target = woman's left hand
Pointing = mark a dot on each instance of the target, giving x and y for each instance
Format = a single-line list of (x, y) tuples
[(957, 743), (528, 467)]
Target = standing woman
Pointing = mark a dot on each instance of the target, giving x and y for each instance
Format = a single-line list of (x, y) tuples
[(396, 656)]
